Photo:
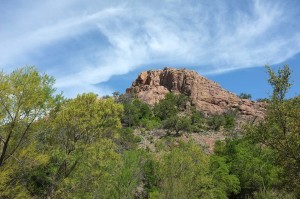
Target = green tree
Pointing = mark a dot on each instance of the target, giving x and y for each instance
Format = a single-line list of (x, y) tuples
[(280, 83), (262, 100), (96, 174), (25, 96), (280, 130), (80, 125), (184, 173), (227, 183), (18, 176), (126, 140)]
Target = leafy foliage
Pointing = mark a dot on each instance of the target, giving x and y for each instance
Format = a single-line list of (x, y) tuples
[(227, 120)]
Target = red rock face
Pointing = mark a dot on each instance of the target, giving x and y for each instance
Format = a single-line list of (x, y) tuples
[(206, 95)]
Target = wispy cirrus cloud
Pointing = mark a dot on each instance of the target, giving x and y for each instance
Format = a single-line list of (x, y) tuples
[(213, 37)]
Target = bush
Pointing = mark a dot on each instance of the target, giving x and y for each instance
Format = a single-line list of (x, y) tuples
[(126, 139), (229, 118), (150, 123), (187, 172), (245, 96), (197, 121), (215, 122), (183, 124), (270, 194), (170, 106), (134, 112), (178, 124), (263, 100)]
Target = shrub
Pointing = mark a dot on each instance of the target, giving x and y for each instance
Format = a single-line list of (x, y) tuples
[(245, 96), (134, 112), (229, 118), (263, 100), (197, 121), (177, 124), (170, 106), (215, 122), (126, 139), (150, 123)]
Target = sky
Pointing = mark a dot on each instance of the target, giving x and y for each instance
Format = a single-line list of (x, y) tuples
[(101, 46)]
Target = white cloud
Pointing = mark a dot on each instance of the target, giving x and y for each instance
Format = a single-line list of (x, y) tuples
[(215, 37)]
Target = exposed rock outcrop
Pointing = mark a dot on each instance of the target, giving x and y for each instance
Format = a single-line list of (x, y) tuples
[(206, 95)]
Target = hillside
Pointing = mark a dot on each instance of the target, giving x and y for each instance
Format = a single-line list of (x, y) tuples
[(207, 96)]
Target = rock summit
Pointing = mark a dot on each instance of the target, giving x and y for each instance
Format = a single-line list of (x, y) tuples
[(206, 95)]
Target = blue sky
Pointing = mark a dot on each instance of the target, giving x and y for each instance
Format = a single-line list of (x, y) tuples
[(101, 46)]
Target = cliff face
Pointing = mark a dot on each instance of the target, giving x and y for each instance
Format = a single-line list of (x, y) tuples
[(206, 95)]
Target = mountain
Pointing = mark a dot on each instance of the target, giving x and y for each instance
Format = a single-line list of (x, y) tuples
[(206, 95)]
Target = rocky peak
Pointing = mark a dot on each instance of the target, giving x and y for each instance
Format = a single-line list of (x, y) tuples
[(206, 95)]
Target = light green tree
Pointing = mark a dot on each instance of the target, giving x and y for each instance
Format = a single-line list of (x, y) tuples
[(131, 173), (25, 96), (76, 131), (186, 172), (96, 173)]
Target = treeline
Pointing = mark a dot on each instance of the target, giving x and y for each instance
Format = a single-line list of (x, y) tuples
[(52, 147)]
